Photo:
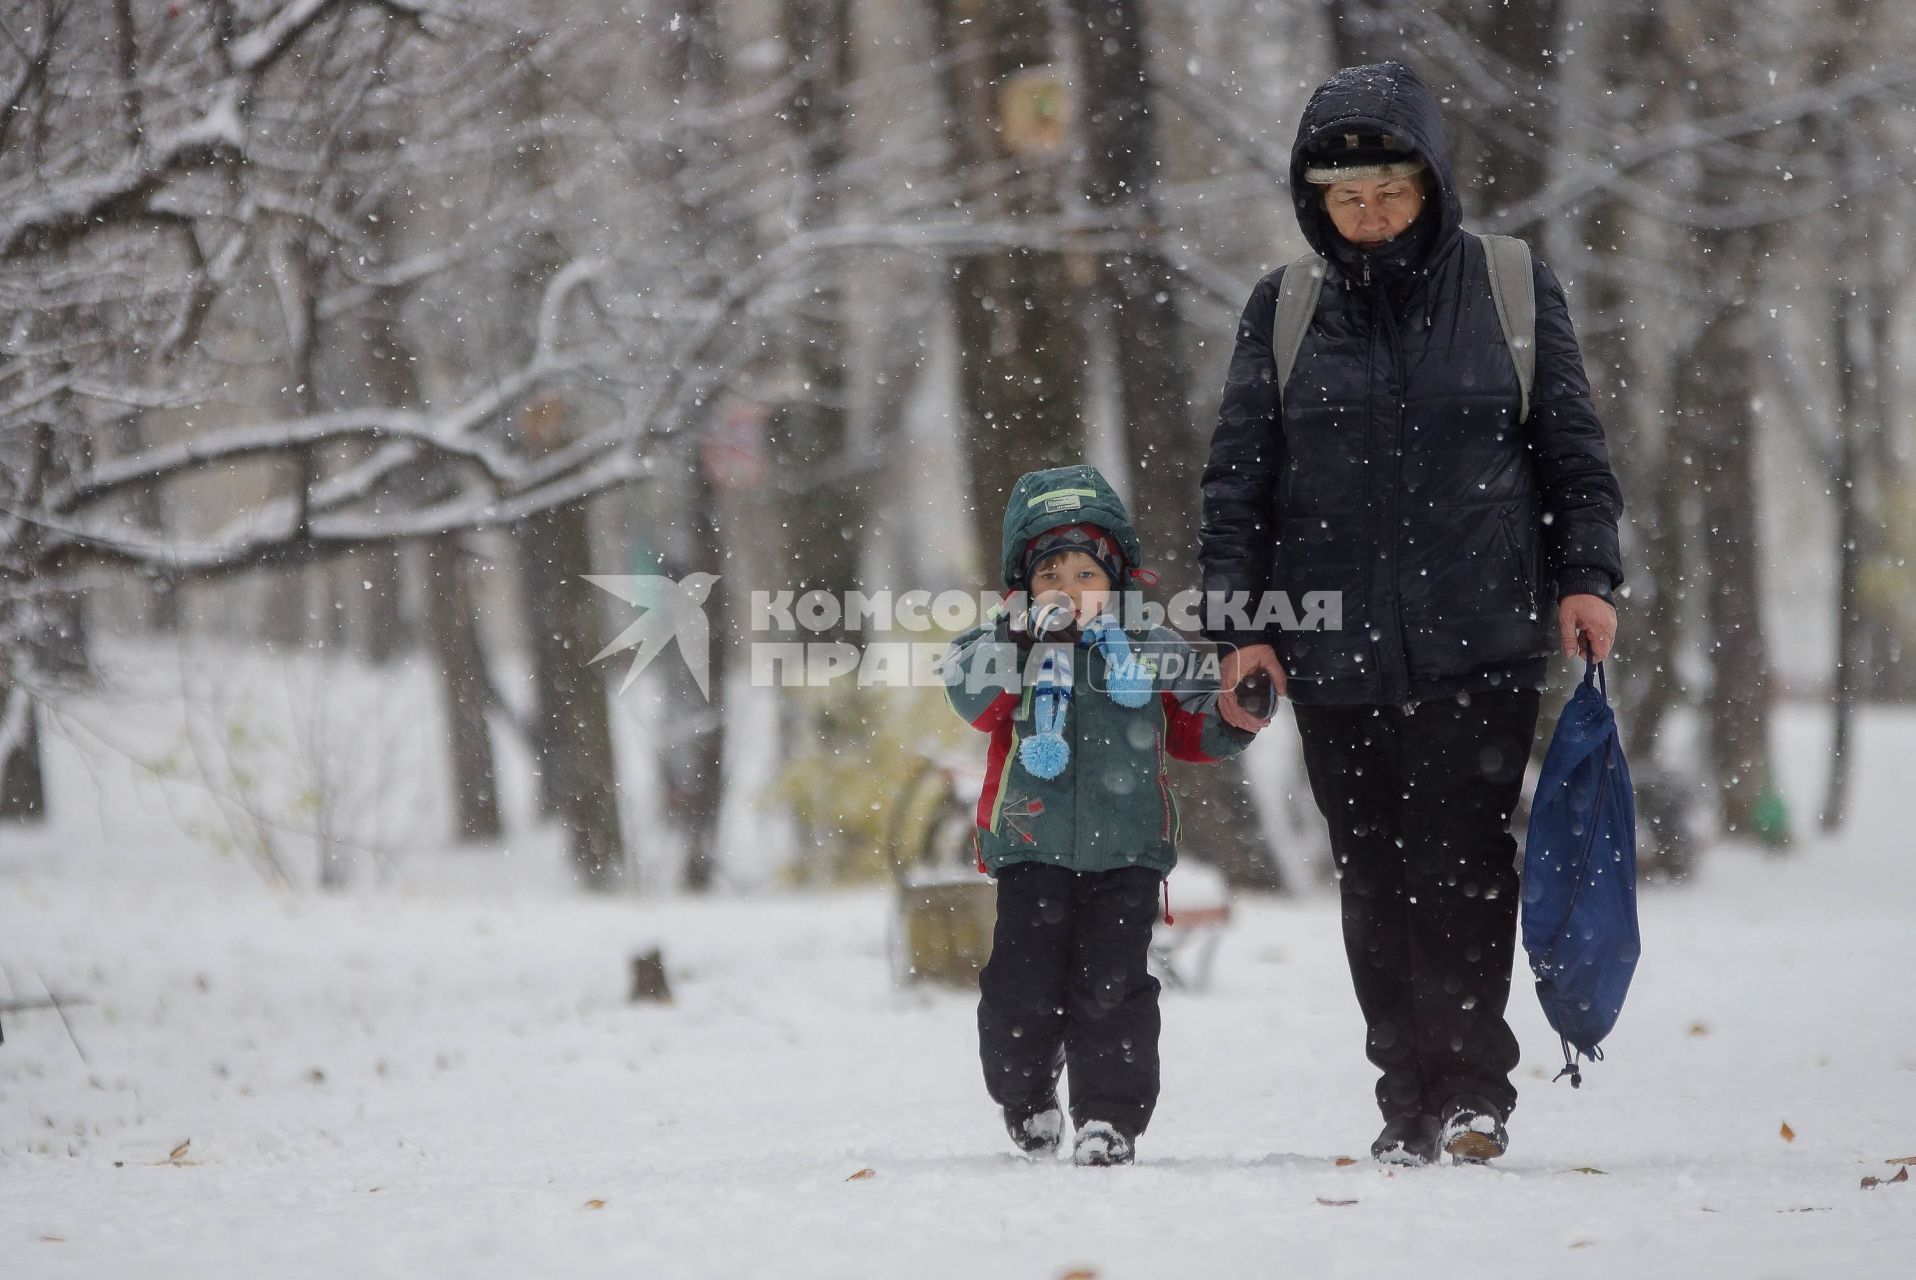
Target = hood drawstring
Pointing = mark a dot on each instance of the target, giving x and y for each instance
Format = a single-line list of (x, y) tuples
[(1165, 885)]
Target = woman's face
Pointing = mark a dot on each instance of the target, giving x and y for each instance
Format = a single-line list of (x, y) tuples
[(1374, 212)]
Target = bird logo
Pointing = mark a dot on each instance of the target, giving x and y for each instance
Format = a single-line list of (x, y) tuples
[(672, 610)]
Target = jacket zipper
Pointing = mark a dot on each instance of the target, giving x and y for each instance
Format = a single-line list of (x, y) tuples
[(1076, 716), (1380, 309)]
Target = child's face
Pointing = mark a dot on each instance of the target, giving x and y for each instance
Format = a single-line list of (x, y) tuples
[(1076, 576)]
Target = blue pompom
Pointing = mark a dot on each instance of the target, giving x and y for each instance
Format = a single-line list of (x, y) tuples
[(1130, 689), (1044, 755)]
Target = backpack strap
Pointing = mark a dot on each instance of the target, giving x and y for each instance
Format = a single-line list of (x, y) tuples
[(1514, 290), (1296, 304)]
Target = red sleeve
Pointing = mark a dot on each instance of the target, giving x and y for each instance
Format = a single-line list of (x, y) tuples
[(996, 712), (1184, 732)]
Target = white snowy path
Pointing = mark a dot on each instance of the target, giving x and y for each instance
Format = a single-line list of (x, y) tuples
[(429, 1081)]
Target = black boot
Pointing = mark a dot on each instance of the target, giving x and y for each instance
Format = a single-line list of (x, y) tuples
[(1037, 1130), (1407, 1140), (1473, 1131), (1100, 1145)]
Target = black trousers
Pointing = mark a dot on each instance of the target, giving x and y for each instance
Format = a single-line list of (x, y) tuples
[(1067, 989), (1419, 806)]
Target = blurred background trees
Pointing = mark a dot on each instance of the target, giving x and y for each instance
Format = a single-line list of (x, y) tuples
[(366, 328)]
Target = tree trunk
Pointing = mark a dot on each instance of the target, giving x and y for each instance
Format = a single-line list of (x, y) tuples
[(1136, 294), (44, 636), (146, 508), (383, 628), (693, 754), (1356, 31), (1720, 432), (692, 758), (1021, 355), (570, 722), (452, 631), (1855, 419), (1503, 130), (23, 788), (571, 719), (814, 465)]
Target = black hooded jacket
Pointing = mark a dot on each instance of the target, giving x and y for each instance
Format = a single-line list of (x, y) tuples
[(1393, 469)]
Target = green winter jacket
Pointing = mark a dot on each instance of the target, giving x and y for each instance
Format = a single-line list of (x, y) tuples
[(1112, 806)]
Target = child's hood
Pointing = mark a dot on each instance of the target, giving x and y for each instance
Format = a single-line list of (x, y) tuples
[(1077, 494)]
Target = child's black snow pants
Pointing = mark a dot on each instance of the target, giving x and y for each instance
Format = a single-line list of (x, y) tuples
[(1067, 988)]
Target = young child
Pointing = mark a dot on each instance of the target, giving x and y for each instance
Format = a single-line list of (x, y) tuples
[(1077, 821)]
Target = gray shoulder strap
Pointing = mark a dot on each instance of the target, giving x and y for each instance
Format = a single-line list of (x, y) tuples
[(1296, 304), (1514, 290)]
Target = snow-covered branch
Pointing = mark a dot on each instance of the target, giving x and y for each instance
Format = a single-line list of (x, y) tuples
[(1608, 172)]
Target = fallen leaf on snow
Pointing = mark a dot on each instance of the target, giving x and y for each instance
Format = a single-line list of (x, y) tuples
[(1902, 1175), (1587, 1169), (1786, 1133), (1334, 1204), (863, 1174), (179, 1152), (1902, 1160), (1581, 1244), (1344, 1162), (1080, 1274), (1699, 1028), (595, 1204), (53, 1239)]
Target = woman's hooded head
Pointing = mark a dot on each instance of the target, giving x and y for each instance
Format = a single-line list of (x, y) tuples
[(1368, 123)]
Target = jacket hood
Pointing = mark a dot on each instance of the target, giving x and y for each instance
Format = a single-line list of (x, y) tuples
[(1043, 500), (1385, 97)]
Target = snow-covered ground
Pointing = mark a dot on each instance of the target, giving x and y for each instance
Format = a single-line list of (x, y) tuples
[(436, 1073)]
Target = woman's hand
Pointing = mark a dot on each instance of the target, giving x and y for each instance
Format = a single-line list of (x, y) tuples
[(1237, 664), (1586, 618)]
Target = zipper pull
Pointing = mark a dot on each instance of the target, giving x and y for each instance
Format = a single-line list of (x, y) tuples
[(1367, 271)]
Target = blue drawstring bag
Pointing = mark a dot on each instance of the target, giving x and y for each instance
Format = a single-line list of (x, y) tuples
[(1580, 876)]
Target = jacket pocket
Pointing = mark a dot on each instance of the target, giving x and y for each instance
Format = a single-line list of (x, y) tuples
[(1521, 557)]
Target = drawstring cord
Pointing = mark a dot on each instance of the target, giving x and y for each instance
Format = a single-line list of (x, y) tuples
[(1165, 885), (1570, 1064)]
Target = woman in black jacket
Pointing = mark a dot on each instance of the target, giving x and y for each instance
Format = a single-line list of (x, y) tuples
[(1465, 542)]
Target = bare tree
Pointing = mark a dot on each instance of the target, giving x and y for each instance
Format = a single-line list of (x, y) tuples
[(1133, 302), (1021, 354)]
